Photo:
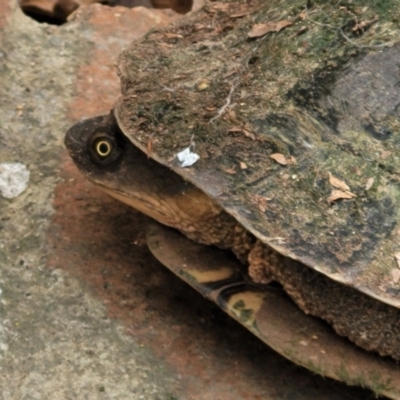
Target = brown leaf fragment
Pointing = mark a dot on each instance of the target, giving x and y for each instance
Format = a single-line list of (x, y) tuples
[(363, 25), (291, 160), (240, 13), (302, 15), (370, 182), (279, 158), (395, 275), (243, 165), (385, 154), (237, 129), (261, 202), (259, 30), (231, 114), (170, 35), (221, 7), (337, 183), (249, 134), (199, 27), (230, 171), (339, 194), (282, 25)]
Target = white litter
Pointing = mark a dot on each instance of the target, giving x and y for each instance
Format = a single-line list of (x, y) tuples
[(187, 157), (14, 179)]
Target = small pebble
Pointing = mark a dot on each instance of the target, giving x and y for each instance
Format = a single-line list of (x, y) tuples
[(14, 179)]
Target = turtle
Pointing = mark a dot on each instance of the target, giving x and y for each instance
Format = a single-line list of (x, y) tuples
[(270, 130)]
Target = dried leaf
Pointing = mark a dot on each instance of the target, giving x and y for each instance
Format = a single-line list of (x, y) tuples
[(230, 171), (337, 183), (360, 27), (370, 182), (221, 6), (240, 13), (395, 275), (385, 154), (249, 134), (236, 129), (170, 35), (243, 165), (279, 158), (339, 194), (231, 114), (259, 30), (302, 15), (261, 202), (282, 25), (291, 160)]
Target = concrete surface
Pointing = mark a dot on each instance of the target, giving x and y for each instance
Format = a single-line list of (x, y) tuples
[(85, 310)]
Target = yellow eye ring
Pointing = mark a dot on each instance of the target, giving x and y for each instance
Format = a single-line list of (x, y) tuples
[(103, 148)]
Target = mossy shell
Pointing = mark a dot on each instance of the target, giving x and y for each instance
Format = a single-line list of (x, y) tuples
[(294, 113)]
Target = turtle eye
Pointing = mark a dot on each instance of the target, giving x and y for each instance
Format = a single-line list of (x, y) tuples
[(103, 148)]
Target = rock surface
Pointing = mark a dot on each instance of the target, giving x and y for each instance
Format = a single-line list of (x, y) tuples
[(85, 311)]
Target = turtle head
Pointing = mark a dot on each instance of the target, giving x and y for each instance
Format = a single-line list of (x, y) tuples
[(109, 160)]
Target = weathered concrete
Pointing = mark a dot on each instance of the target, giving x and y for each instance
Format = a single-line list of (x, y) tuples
[(85, 311)]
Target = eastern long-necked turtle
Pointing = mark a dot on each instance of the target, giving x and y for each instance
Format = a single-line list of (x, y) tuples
[(271, 130)]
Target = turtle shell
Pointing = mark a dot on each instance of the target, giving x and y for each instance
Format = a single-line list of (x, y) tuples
[(294, 113)]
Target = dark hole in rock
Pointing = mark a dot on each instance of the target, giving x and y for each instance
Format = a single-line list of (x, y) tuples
[(57, 11)]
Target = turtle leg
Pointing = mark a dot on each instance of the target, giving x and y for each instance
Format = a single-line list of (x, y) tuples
[(370, 324)]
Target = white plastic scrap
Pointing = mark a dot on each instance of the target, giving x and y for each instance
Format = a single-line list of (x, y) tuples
[(187, 157), (14, 179)]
